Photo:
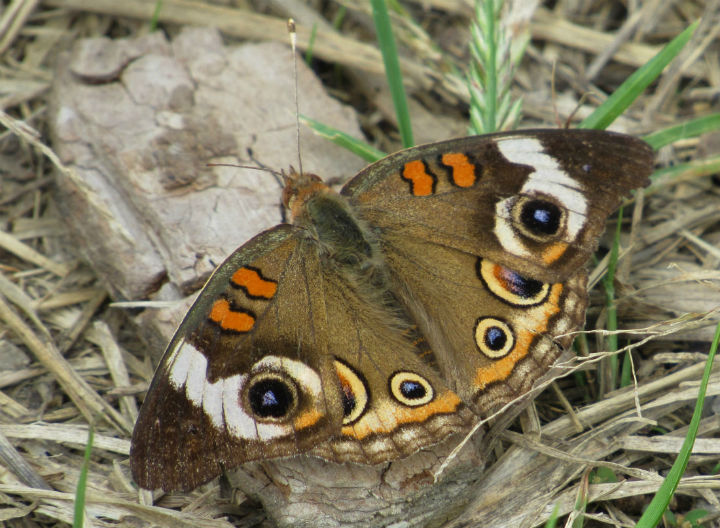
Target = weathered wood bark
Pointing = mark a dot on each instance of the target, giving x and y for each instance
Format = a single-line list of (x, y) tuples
[(139, 121), (305, 492)]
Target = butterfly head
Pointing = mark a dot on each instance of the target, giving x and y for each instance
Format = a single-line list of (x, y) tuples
[(299, 188)]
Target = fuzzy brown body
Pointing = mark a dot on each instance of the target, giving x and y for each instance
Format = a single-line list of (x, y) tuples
[(436, 287)]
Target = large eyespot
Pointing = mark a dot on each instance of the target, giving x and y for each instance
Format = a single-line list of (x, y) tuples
[(354, 392), (494, 337), (411, 389), (272, 396), (539, 219), (511, 287)]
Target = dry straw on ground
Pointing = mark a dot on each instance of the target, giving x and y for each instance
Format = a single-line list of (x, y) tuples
[(68, 358)]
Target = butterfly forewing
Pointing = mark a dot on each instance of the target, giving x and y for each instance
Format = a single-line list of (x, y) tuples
[(243, 377), (535, 201)]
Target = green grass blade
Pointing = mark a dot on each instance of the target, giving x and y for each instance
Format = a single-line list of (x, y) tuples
[(311, 45), (628, 91), (693, 169), (155, 18), (79, 513), (695, 516), (691, 128), (581, 502), (354, 145), (553, 519), (386, 41), (339, 17), (626, 377), (610, 306), (653, 514)]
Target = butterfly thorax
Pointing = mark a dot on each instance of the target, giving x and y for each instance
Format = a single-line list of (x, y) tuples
[(299, 188), (342, 239)]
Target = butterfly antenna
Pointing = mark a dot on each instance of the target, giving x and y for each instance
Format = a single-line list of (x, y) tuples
[(293, 45), (584, 97), (275, 173), (553, 93)]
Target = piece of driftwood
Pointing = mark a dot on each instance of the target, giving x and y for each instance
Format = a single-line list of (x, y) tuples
[(307, 492), (140, 120)]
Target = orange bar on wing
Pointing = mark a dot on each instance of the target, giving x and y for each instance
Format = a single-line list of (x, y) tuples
[(422, 183), (554, 252), (371, 424), (254, 284), (463, 172), (307, 419), (229, 319)]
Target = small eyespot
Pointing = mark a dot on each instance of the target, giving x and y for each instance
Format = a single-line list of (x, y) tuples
[(411, 389), (354, 392), (494, 337), (510, 286), (272, 396)]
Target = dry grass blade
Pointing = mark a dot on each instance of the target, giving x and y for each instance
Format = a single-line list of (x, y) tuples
[(547, 26), (13, 20), (116, 365), (649, 9), (19, 466), (40, 343), (65, 433), (13, 245)]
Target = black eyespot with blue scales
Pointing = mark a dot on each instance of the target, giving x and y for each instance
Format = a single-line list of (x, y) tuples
[(410, 389), (495, 338), (541, 218), (272, 397)]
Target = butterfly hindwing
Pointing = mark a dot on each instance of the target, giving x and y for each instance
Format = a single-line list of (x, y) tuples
[(394, 402), (492, 330), (487, 238)]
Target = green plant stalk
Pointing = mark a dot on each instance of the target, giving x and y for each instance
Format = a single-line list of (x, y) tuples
[(155, 18), (491, 87), (493, 62), (386, 40), (482, 79), (79, 509), (659, 503), (311, 45), (611, 307), (339, 17)]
